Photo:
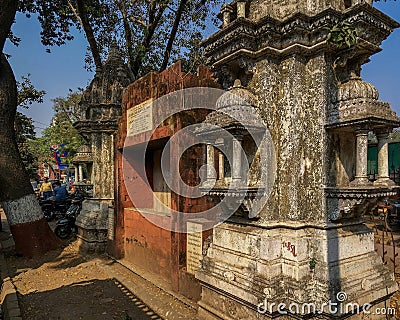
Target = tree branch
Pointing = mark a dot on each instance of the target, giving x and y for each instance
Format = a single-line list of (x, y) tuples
[(172, 35), (89, 34), (127, 33), (8, 9), (75, 13), (154, 20)]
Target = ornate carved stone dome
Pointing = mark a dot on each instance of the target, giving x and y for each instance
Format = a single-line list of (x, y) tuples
[(236, 96), (356, 88)]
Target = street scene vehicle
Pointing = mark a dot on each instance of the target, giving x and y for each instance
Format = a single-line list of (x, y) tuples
[(65, 226), (52, 210), (391, 211), (36, 187)]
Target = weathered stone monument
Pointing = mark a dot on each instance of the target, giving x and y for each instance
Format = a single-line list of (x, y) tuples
[(307, 244), (101, 109)]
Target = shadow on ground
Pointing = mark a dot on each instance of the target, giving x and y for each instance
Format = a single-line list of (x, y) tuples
[(92, 299)]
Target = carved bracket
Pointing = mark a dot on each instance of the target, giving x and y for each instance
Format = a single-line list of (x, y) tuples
[(345, 203)]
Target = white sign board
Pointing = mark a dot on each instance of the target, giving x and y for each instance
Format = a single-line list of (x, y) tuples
[(194, 246), (140, 118)]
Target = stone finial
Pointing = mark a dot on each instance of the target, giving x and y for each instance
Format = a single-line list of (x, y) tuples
[(225, 14), (113, 51), (108, 83)]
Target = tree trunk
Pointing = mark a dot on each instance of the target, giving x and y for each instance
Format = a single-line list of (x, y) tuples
[(32, 234)]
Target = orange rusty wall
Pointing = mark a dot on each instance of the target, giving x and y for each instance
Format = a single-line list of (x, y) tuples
[(147, 245), (142, 243), (135, 177)]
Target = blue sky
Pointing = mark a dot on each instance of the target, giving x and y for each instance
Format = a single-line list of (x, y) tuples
[(63, 68)]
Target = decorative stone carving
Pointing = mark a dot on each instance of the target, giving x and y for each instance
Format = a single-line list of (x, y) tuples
[(92, 226), (352, 203), (101, 101), (234, 117), (83, 154), (358, 100), (317, 110), (101, 109), (355, 88), (260, 35)]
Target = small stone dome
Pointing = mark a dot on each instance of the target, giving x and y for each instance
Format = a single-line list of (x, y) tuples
[(235, 107), (83, 154), (236, 96), (357, 89)]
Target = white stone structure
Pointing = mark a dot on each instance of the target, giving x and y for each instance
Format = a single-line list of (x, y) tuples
[(307, 243)]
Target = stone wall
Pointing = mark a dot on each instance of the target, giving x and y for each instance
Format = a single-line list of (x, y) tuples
[(139, 239), (293, 97)]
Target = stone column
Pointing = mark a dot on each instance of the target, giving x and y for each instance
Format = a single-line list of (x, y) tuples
[(241, 9), (383, 159), (361, 177), (80, 173), (237, 160), (210, 178), (76, 173), (221, 165)]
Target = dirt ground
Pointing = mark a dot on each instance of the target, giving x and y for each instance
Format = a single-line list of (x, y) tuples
[(64, 285)]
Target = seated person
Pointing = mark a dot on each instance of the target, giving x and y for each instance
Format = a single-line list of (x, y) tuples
[(60, 192)]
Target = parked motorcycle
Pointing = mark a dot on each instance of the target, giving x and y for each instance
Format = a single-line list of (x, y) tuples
[(392, 216), (52, 210), (65, 226)]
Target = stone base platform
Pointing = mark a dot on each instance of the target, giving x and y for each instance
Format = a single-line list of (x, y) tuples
[(258, 273)]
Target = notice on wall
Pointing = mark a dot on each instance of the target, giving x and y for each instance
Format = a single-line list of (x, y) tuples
[(194, 246), (140, 118)]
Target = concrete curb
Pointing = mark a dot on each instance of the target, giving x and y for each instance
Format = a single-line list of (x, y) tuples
[(8, 294)]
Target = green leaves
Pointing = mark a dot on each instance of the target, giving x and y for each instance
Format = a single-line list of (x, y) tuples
[(27, 93), (142, 28), (343, 34), (60, 131)]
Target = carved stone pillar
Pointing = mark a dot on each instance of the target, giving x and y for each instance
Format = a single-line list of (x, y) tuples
[(361, 177), (219, 144), (211, 176), (80, 173), (241, 9), (318, 117), (237, 160), (383, 161), (101, 109), (221, 166)]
